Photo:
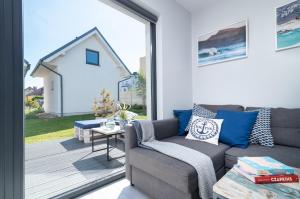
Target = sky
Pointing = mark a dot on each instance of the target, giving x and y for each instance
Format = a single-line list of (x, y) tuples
[(50, 24)]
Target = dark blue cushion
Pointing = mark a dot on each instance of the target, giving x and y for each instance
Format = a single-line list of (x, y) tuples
[(88, 124), (183, 117), (236, 127)]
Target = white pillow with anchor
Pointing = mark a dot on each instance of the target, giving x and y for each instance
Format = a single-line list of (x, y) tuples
[(205, 130)]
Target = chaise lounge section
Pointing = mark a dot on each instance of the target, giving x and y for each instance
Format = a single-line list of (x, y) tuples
[(161, 176), (285, 125)]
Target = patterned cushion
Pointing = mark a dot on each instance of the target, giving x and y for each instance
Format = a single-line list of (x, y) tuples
[(261, 132), (200, 112), (205, 130)]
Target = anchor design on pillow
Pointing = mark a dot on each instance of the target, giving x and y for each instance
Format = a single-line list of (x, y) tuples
[(204, 129), (201, 128)]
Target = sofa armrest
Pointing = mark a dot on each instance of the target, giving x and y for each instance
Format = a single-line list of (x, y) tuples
[(130, 137), (130, 142), (165, 128), (162, 128)]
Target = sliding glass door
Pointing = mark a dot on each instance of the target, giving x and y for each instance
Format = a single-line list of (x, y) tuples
[(54, 155)]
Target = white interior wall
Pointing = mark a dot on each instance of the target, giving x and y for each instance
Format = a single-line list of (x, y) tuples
[(173, 56), (265, 78)]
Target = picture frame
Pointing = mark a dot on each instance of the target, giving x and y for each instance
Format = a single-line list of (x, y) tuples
[(287, 26), (224, 44)]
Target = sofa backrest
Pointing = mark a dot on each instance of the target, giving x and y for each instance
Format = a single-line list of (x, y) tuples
[(285, 123), (285, 126), (215, 108)]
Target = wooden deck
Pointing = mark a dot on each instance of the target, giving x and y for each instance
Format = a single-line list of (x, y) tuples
[(54, 167)]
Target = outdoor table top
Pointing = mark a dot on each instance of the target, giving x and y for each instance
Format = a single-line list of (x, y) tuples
[(235, 186), (107, 131)]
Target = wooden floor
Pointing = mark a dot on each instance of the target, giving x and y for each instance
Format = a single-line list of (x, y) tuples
[(54, 167)]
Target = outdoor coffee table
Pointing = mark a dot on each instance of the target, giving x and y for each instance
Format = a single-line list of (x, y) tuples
[(235, 186), (104, 132)]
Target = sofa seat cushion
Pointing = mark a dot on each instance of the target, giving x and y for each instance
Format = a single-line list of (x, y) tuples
[(172, 171), (285, 154), (216, 153)]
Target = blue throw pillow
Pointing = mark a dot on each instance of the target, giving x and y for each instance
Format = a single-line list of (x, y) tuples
[(236, 127), (183, 117)]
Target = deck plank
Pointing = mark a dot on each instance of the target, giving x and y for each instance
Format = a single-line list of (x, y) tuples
[(54, 167)]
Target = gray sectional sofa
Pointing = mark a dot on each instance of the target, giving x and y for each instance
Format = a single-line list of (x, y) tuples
[(163, 177)]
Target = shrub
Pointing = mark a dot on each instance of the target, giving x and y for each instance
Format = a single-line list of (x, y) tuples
[(139, 109), (36, 98), (32, 113), (105, 106), (32, 104)]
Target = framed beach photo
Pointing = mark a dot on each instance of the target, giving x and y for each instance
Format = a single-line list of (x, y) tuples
[(226, 44), (288, 26)]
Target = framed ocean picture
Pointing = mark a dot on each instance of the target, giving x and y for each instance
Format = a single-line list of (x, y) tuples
[(226, 44), (288, 26)]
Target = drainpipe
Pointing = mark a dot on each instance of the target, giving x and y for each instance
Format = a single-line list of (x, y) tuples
[(61, 87), (119, 90)]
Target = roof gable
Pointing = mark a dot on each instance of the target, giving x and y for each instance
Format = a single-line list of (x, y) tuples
[(56, 53)]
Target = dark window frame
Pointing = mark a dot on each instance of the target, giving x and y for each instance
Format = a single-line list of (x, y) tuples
[(11, 101), (92, 51)]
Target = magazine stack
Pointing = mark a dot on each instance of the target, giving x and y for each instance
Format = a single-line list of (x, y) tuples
[(264, 170)]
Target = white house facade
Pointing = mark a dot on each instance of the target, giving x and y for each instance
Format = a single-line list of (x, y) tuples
[(75, 74), (128, 88)]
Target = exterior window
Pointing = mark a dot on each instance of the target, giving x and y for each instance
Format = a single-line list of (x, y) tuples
[(92, 57)]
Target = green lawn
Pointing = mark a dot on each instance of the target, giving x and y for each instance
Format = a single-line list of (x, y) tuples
[(38, 130)]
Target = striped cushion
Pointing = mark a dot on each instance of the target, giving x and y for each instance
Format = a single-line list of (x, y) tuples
[(200, 112), (261, 132)]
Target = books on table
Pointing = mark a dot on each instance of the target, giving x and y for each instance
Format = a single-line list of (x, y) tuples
[(264, 166), (262, 170), (266, 179)]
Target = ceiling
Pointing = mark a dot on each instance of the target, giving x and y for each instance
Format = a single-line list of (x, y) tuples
[(193, 5)]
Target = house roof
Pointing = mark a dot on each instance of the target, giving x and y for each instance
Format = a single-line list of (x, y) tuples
[(26, 62), (26, 67), (54, 54)]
